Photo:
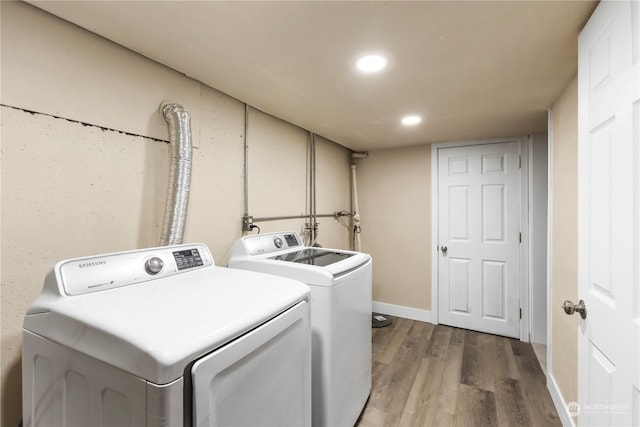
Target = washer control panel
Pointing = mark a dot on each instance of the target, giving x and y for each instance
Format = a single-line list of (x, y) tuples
[(270, 242), (188, 258), (101, 272)]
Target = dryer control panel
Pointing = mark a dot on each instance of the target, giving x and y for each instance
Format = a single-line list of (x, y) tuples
[(270, 242), (101, 272)]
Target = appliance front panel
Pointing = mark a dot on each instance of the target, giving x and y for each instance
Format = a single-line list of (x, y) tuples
[(341, 366), (64, 387), (262, 378)]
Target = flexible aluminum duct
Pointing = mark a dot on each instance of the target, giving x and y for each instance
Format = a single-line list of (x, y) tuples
[(179, 174)]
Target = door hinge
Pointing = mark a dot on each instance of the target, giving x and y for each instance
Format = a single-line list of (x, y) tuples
[(521, 313), (520, 238), (519, 162)]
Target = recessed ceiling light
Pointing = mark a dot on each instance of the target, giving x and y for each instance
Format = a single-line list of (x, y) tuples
[(372, 63), (411, 120)]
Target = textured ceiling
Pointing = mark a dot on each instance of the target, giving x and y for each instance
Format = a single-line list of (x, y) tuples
[(475, 69)]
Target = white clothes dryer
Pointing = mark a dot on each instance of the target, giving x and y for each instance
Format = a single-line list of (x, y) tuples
[(340, 283), (163, 337)]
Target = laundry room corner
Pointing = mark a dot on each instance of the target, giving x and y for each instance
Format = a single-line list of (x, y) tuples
[(85, 163), (221, 213)]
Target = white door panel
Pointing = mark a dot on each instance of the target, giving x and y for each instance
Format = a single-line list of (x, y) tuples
[(479, 224), (261, 378), (608, 150)]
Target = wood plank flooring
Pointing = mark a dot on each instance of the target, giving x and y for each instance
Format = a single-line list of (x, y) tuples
[(436, 375)]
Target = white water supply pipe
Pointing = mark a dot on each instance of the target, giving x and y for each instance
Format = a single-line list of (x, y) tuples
[(314, 211), (354, 199), (175, 215)]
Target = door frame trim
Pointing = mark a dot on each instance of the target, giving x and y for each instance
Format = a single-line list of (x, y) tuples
[(524, 142)]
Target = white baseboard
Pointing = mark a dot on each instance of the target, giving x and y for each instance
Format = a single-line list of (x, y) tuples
[(405, 312), (558, 401)]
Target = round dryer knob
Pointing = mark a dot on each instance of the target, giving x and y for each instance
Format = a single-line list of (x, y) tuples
[(278, 242), (153, 265)]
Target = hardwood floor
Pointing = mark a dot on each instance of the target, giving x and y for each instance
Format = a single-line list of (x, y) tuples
[(435, 375)]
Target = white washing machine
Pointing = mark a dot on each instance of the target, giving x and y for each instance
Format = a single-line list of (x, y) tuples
[(340, 283), (163, 337)]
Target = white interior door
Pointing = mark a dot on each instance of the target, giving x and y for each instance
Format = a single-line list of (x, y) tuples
[(479, 237), (608, 259)]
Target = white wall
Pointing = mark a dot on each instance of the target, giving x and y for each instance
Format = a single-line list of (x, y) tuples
[(395, 207), (85, 163), (562, 357), (538, 159)]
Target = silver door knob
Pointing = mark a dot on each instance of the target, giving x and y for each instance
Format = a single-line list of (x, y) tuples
[(571, 308), (444, 249)]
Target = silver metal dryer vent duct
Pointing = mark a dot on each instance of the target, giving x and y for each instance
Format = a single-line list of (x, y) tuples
[(179, 174)]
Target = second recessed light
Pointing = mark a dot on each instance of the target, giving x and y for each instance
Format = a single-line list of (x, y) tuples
[(411, 120), (372, 63)]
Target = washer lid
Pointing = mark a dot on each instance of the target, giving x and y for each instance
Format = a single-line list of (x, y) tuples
[(314, 256), (155, 328), (284, 255)]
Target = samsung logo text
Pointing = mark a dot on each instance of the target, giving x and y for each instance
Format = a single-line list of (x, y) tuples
[(92, 264)]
